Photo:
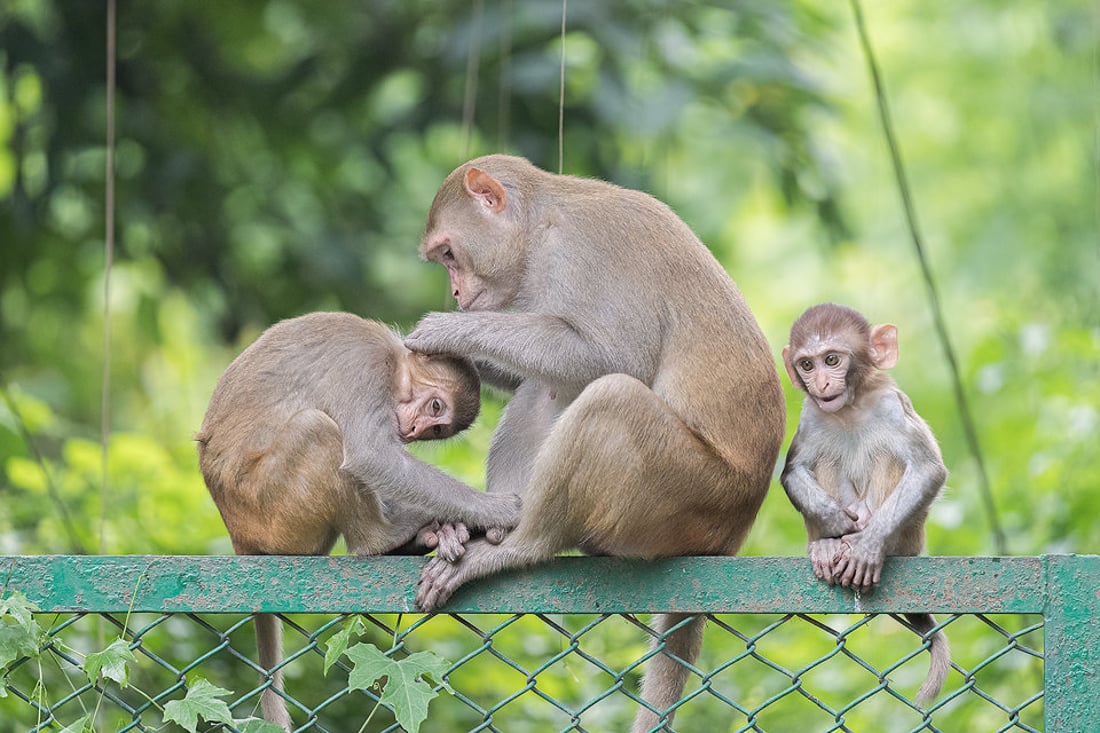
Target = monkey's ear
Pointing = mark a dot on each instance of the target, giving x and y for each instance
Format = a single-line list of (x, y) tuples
[(790, 367), (486, 189), (884, 346)]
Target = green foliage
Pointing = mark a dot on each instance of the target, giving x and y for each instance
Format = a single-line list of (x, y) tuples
[(404, 682), (113, 662), (406, 685), (20, 634), (279, 157), (203, 700)]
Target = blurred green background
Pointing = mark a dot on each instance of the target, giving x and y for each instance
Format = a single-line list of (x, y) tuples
[(279, 157)]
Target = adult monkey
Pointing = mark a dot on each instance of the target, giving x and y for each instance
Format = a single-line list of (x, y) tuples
[(647, 415)]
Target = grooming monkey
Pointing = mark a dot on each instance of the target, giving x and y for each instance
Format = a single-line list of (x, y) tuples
[(304, 440), (647, 415), (863, 467)]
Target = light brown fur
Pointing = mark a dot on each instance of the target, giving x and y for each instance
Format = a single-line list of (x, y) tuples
[(863, 467), (303, 441), (647, 414)]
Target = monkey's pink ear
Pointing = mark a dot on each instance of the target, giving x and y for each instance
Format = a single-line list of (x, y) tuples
[(790, 367), (884, 346), (486, 189)]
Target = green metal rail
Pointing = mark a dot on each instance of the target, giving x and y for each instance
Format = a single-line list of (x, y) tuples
[(786, 608)]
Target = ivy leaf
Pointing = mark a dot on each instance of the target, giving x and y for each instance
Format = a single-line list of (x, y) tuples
[(201, 700), (20, 634), (405, 690), (111, 662), (255, 725), (19, 608), (338, 643)]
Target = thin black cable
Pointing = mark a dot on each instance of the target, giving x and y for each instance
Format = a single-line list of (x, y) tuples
[(933, 293)]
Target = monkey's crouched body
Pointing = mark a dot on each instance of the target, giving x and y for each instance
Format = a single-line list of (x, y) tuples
[(863, 467), (304, 440), (647, 413)]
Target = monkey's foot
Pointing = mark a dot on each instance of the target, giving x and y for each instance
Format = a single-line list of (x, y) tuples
[(438, 582), (858, 562), (823, 554)]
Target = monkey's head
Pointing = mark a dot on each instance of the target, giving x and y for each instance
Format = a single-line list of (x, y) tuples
[(833, 350), (477, 228), (444, 399)]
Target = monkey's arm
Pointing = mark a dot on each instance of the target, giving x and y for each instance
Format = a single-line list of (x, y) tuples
[(531, 345), (824, 516), (403, 480), (860, 559), (495, 376)]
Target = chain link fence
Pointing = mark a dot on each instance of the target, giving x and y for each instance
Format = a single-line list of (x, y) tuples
[(782, 653)]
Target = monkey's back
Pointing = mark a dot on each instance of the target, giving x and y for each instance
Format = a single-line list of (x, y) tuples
[(336, 363), (707, 356)]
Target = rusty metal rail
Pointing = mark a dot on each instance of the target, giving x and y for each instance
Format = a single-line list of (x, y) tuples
[(763, 610)]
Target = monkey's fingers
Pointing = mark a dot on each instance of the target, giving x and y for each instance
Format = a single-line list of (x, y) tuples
[(496, 535), (437, 584), (451, 540), (822, 555)]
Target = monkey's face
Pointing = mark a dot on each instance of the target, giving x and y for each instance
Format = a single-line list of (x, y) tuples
[(428, 415), (822, 373), (472, 231), (471, 291)]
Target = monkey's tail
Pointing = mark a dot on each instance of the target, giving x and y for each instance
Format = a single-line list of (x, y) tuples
[(940, 663), (269, 641), (664, 680)]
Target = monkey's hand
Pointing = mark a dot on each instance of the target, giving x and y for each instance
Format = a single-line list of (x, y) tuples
[(858, 561), (860, 514), (434, 334), (496, 535), (822, 553), (448, 540)]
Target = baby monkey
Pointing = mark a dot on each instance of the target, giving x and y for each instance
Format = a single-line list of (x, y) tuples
[(304, 440), (863, 467)]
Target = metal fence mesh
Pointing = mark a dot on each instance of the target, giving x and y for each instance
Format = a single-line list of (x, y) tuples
[(791, 673)]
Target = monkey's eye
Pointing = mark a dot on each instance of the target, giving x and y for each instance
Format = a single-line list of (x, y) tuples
[(437, 430), (436, 407), (832, 360), (806, 365)]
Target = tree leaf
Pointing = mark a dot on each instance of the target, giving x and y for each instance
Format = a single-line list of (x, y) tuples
[(405, 688), (338, 643), (112, 662), (201, 700)]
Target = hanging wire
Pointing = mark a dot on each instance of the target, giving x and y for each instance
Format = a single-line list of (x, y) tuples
[(561, 93), (965, 415), (504, 89), (109, 247), (473, 64)]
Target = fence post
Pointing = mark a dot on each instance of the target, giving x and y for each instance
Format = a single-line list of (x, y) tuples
[(1072, 644)]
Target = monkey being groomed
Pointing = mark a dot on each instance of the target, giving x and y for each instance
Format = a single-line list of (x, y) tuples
[(304, 441), (863, 467), (647, 415)]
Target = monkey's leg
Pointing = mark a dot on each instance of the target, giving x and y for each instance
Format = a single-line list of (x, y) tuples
[(619, 473), (286, 503)]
